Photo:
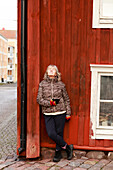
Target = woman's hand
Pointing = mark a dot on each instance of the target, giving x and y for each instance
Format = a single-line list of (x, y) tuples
[(68, 117), (52, 103)]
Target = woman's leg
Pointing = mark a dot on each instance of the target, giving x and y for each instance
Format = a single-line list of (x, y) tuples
[(55, 132), (59, 125)]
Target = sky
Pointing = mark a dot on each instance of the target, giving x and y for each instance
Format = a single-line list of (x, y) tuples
[(8, 14)]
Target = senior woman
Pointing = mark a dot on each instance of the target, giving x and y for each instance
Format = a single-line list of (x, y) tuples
[(53, 98)]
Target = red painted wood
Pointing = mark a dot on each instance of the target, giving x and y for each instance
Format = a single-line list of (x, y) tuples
[(104, 43), (33, 77), (74, 45), (53, 30), (106, 143), (82, 147), (82, 47), (91, 48)]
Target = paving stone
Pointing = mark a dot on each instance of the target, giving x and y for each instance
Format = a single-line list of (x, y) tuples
[(85, 166), (109, 166), (95, 155), (62, 163), (18, 164), (4, 165), (104, 161), (94, 168), (79, 154), (91, 161), (79, 168), (2, 161), (67, 168), (74, 164), (36, 165), (101, 163), (23, 167), (43, 167), (9, 168), (50, 163), (55, 168), (44, 161)]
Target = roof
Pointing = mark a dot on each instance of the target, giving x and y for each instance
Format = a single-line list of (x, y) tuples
[(9, 34)]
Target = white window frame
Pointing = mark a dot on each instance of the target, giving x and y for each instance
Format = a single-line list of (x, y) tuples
[(100, 21), (99, 132)]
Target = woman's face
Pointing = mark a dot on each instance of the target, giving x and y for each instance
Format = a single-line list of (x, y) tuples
[(51, 71)]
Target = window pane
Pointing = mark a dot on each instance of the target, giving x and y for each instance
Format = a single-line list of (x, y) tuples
[(106, 114), (106, 88), (107, 7)]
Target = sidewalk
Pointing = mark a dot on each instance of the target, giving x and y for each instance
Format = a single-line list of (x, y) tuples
[(47, 164)]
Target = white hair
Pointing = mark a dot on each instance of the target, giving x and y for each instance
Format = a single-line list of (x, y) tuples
[(58, 73)]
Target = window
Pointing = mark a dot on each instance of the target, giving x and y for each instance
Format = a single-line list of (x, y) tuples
[(101, 112), (102, 13), (11, 51)]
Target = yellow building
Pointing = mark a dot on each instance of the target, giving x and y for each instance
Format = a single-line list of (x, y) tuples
[(12, 61), (11, 35), (3, 58)]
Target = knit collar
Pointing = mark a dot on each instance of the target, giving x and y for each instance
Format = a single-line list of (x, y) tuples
[(55, 79)]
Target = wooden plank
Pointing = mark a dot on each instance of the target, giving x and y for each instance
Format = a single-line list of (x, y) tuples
[(45, 37), (111, 47), (97, 46), (75, 70), (67, 57), (104, 46), (99, 143), (83, 47), (60, 37), (106, 143), (53, 20), (33, 76), (91, 56), (87, 79)]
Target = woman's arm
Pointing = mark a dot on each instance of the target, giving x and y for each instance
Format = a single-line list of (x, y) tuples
[(66, 101), (40, 99)]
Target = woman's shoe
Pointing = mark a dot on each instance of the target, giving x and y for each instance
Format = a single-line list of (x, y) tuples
[(69, 150), (57, 156)]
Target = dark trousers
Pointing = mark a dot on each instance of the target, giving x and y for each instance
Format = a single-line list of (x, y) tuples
[(55, 127)]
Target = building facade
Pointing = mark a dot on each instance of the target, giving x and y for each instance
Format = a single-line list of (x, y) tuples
[(3, 58), (76, 36), (12, 54)]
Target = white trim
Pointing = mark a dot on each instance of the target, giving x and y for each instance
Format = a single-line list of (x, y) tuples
[(100, 21), (106, 101), (99, 132)]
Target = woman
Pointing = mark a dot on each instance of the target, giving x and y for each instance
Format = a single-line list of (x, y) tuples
[(53, 98)]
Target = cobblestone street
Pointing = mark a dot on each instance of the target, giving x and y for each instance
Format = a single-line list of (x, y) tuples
[(8, 122), (47, 164)]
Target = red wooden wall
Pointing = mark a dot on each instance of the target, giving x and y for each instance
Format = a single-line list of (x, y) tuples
[(63, 28), (68, 41)]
